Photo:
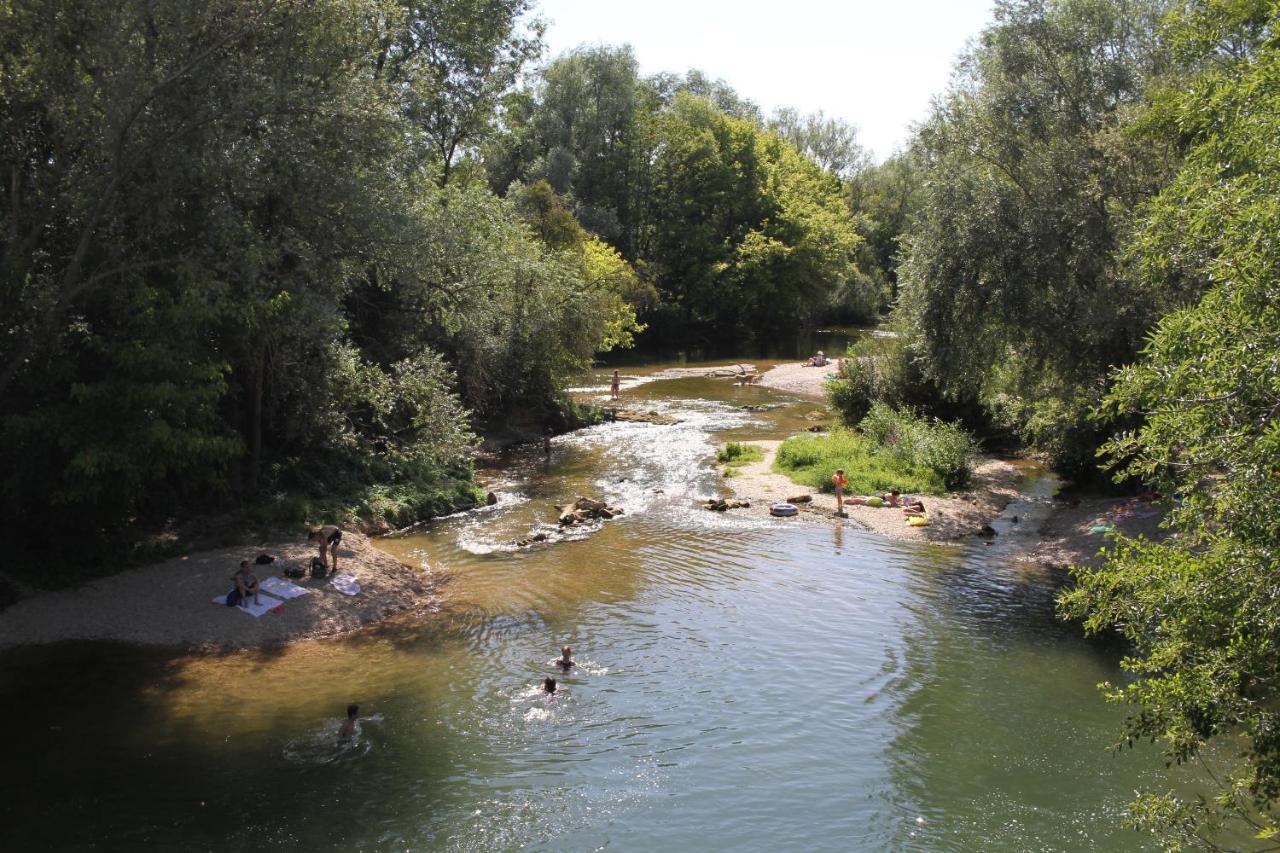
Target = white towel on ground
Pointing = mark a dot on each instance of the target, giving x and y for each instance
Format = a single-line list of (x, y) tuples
[(283, 589), (266, 602), (345, 584)]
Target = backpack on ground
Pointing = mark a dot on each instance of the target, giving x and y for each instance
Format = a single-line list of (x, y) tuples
[(233, 597), (318, 568)]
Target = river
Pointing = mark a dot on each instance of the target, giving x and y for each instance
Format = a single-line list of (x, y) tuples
[(742, 685)]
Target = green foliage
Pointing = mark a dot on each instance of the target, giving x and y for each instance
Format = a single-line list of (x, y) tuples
[(246, 258), (735, 454), (1010, 285), (811, 460), (896, 449), (877, 369), (944, 449), (1201, 610), (733, 226)]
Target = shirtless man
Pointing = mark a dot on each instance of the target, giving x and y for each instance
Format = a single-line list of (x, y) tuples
[(614, 385), (348, 729)]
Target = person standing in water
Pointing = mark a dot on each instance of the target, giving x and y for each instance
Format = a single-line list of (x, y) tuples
[(549, 685), (838, 480), (614, 384), (348, 729), (565, 661)]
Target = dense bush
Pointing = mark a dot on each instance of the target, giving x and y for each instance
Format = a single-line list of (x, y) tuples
[(895, 449), (812, 459), (942, 448)]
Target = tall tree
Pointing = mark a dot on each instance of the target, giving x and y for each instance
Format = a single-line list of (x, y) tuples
[(1008, 281), (450, 62), (1202, 609)]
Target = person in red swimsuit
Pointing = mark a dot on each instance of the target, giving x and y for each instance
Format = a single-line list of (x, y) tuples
[(838, 480)]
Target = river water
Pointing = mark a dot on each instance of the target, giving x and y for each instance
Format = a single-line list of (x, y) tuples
[(742, 685)]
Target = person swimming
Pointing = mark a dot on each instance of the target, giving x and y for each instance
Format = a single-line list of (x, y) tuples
[(348, 729), (549, 685), (565, 660)]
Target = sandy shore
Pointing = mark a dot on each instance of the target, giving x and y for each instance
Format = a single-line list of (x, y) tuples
[(798, 378), (170, 603), (951, 517)]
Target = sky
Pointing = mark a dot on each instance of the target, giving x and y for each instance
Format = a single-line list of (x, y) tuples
[(873, 63)]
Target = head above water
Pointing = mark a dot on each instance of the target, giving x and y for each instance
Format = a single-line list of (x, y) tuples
[(566, 651), (549, 685), (353, 711)]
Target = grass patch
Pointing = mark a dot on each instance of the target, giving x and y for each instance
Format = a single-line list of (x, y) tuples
[(895, 450), (736, 455)]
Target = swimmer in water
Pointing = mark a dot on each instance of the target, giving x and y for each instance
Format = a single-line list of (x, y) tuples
[(565, 661), (549, 685), (348, 729)]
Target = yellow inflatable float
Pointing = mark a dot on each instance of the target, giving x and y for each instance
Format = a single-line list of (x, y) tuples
[(918, 521)]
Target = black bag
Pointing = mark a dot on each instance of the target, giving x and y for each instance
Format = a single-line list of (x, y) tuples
[(264, 560), (318, 568), (233, 597), (294, 572)]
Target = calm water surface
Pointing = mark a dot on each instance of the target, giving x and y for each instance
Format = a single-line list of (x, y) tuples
[(743, 685)]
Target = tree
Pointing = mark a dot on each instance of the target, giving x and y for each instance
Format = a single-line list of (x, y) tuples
[(1202, 609), (450, 62), (830, 142), (1009, 282)]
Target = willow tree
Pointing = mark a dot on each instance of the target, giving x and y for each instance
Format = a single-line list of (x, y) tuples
[(1202, 609), (1009, 282)]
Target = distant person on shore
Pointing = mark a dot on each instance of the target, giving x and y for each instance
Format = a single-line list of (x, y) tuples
[(329, 537), (565, 661), (818, 360), (348, 729), (913, 507), (838, 480), (546, 442), (246, 583), (614, 385), (549, 685), (893, 499)]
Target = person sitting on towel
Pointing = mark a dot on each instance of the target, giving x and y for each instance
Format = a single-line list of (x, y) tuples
[(328, 536), (246, 583), (892, 498)]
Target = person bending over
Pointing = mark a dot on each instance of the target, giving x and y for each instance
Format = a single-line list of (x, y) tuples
[(328, 537)]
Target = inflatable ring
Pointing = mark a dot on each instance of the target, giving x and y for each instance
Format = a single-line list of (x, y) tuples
[(783, 509), (917, 521)]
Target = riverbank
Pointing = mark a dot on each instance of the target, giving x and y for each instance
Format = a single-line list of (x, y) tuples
[(171, 603), (1072, 535), (951, 517), (799, 378)]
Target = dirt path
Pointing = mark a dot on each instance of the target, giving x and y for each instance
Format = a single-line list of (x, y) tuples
[(950, 518), (170, 603)]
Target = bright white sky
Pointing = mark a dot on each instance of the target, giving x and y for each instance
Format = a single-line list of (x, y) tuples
[(873, 63)]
